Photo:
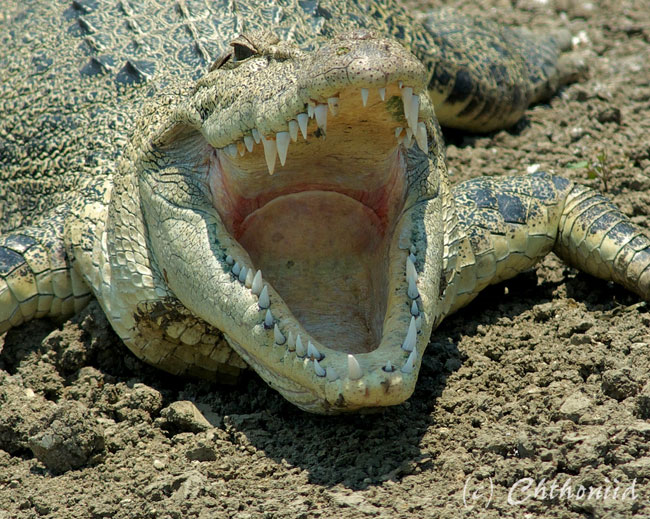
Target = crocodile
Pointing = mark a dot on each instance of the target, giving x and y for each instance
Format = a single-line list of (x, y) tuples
[(282, 200)]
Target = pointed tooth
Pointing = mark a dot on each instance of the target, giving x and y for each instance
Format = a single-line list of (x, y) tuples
[(264, 301), (303, 119), (418, 323), (278, 338), (407, 98), (256, 135), (282, 142), (241, 148), (256, 285), (421, 137), (333, 103), (270, 152), (382, 93), (398, 131), (410, 362), (411, 273), (388, 368), (413, 112), (354, 370), (320, 371), (291, 342), (332, 375), (236, 269), (231, 150), (312, 351), (364, 96), (411, 336), (248, 142), (293, 130), (412, 291), (310, 109), (300, 349), (415, 311), (242, 274), (321, 117), (230, 260), (249, 278), (400, 84), (408, 141), (268, 319)]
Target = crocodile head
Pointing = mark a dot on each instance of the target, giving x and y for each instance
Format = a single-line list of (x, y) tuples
[(292, 201)]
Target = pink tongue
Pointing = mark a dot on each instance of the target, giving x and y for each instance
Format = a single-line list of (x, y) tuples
[(323, 253)]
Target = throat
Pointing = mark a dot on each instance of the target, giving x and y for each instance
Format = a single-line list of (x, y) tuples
[(325, 253)]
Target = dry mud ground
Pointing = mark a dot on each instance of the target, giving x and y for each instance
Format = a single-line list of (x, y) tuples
[(541, 384)]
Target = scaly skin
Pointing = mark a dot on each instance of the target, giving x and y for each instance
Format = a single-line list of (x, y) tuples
[(356, 245)]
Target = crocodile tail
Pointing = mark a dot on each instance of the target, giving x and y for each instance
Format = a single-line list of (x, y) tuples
[(596, 237)]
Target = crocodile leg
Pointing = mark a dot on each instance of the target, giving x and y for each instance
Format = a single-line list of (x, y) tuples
[(36, 277), (506, 225)]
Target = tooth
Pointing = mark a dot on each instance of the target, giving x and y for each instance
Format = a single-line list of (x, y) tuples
[(321, 116), (256, 285), (293, 130), (364, 96), (303, 119), (248, 142), (268, 319), (413, 112), (388, 368), (354, 370), (300, 349), (256, 135), (249, 278), (400, 84), (332, 375), (313, 352), (382, 94), (236, 269), (231, 150), (230, 260), (408, 141), (412, 254), (310, 109), (270, 151), (410, 362), (398, 131), (282, 142), (418, 323), (421, 137), (320, 371), (333, 103), (242, 274), (411, 273), (264, 301), (411, 336), (277, 335), (291, 342), (407, 98), (415, 311), (412, 291)]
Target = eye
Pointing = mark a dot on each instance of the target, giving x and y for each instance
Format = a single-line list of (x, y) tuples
[(243, 51)]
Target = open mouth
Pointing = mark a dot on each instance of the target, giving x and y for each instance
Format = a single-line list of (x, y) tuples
[(319, 213)]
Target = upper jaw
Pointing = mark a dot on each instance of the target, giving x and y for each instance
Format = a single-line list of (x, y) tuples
[(314, 374)]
